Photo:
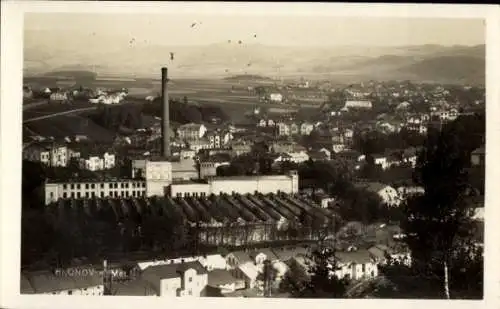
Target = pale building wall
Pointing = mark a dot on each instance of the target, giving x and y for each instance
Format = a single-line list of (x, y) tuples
[(97, 290), (127, 188), (193, 189)]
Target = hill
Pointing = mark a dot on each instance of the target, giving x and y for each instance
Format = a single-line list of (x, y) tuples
[(74, 74), (457, 69), (247, 78), (222, 60)]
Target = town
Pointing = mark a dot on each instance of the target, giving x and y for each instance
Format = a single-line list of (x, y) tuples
[(313, 157), (209, 207)]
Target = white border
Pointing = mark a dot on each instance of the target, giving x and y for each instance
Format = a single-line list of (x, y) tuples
[(11, 81)]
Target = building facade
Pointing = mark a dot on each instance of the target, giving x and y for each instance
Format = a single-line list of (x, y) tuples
[(100, 189)]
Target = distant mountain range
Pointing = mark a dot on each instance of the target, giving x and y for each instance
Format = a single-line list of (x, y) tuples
[(433, 63)]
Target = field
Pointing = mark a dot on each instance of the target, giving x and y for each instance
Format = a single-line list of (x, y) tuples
[(232, 96)]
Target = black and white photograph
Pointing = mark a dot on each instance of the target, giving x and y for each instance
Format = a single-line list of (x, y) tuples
[(252, 155)]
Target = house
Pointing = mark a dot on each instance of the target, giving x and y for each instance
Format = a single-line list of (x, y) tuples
[(239, 148), (224, 281), (213, 261), (286, 147), (338, 147), (219, 138), (135, 287), (388, 194), (283, 129), (351, 155), (191, 131), (276, 97), (248, 272), (406, 191), (358, 104), (328, 153), (236, 258), (294, 129), (410, 156), (355, 265), (51, 154), (384, 255), (318, 156), (478, 157), (306, 128), (187, 154), (46, 282), (199, 144), (263, 123), (96, 162), (185, 279), (381, 160), (287, 253), (58, 97), (296, 157), (261, 255), (27, 92)]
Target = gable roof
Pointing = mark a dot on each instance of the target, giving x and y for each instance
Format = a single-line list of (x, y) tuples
[(220, 277), (46, 282), (250, 270), (288, 253), (174, 270), (358, 257), (268, 252), (241, 256)]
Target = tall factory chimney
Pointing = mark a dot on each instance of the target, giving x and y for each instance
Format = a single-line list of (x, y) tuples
[(165, 147)]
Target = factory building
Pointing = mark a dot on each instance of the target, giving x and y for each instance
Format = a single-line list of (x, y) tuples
[(228, 219), (238, 184), (91, 189)]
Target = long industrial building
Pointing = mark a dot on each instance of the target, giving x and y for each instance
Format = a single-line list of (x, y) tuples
[(220, 219)]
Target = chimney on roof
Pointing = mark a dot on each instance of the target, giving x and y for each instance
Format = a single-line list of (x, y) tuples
[(165, 150)]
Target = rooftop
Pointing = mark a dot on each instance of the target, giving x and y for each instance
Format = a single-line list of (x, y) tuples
[(46, 282), (358, 257), (220, 277), (137, 287), (371, 186), (174, 270)]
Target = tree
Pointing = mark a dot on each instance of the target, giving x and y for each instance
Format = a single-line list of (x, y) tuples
[(295, 280), (436, 220), (267, 276), (323, 282)]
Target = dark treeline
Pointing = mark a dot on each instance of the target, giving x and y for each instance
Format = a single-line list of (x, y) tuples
[(129, 116), (183, 112)]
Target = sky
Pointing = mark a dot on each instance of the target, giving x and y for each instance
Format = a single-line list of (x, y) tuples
[(175, 29)]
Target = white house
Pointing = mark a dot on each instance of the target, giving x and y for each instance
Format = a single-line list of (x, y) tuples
[(224, 281), (97, 163), (355, 265), (384, 255), (187, 279), (388, 194), (298, 157), (338, 147), (276, 97), (283, 129), (306, 128), (191, 131), (358, 104)]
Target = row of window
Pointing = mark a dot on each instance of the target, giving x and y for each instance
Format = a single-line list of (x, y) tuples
[(134, 193), (193, 194), (123, 185)]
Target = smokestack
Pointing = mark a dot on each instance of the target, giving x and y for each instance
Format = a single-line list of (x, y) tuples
[(165, 150)]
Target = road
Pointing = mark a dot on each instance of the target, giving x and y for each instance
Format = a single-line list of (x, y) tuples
[(35, 104), (78, 110)]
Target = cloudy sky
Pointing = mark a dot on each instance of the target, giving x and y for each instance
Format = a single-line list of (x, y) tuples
[(163, 29)]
